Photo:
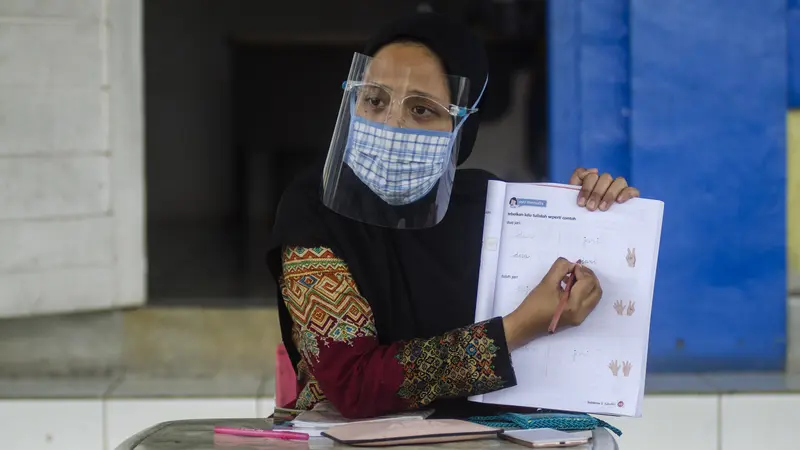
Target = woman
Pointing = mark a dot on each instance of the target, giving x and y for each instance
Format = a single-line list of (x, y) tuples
[(378, 267)]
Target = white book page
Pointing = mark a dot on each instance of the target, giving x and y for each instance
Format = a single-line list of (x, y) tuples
[(598, 367), (492, 232)]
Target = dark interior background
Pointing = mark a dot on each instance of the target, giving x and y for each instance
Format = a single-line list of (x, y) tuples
[(240, 94)]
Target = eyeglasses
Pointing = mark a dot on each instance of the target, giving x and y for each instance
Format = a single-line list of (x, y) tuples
[(377, 103)]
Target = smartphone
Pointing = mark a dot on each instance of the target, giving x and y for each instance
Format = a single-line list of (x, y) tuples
[(547, 438)]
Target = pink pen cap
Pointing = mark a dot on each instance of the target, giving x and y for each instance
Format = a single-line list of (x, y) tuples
[(253, 432)]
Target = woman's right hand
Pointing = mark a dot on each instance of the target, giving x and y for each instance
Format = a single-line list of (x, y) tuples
[(533, 316)]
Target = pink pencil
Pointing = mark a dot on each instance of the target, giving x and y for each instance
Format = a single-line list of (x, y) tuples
[(563, 302), (251, 432)]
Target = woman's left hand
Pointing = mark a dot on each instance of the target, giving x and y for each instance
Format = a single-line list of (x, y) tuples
[(601, 191)]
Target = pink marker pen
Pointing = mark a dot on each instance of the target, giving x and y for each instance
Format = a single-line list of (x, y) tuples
[(253, 432)]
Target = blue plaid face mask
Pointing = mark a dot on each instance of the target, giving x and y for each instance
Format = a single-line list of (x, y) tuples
[(400, 165)]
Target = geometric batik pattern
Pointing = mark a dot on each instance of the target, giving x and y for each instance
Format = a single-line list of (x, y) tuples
[(325, 306), (311, 394), (456, 364), (323, 300)]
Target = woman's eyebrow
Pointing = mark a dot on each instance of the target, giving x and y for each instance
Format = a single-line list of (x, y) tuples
[(424, 94), (380, 85), (410, 91)]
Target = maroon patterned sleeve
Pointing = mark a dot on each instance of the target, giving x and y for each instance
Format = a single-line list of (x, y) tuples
[(342, 361)]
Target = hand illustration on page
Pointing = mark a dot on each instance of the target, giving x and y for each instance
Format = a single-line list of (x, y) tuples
[(631, 308), (631, 257), (626, 368), (619, 307), (614, 366)]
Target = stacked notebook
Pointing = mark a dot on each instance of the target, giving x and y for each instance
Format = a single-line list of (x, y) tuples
[(324, 416)]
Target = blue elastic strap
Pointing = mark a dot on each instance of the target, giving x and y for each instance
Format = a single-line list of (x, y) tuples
[(462, 112), (556, 421)]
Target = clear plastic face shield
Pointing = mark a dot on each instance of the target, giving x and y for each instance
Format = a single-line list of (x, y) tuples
[(394, 150)]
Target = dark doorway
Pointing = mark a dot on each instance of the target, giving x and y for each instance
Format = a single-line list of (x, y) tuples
[(240, 96)]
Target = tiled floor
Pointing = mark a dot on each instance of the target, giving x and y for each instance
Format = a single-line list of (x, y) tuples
[(687, 412)]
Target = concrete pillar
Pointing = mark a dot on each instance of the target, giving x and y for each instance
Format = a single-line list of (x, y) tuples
[(71, 154)]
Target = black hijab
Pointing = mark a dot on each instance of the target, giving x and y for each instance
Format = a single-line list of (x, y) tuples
[(462, 53), (419, 282)]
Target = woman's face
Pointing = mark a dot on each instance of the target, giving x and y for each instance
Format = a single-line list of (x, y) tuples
[(406, 86)]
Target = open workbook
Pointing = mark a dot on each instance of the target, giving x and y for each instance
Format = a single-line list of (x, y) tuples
[(598, 367)]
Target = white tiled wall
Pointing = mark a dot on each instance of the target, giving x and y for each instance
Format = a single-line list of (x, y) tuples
[(52, 8), (672, 422), (686, 422), (124, 418), (265, 406), (54, 187), (51, 120), (55, 291), (51, 424), (760, 422), (37, 245)]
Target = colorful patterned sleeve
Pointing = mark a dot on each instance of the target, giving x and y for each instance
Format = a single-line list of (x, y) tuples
[(342, 361)]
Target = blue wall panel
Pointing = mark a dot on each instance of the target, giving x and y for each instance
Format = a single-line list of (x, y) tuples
[(604, 86), (793, 50), (708, 94), (589, 103), (563, 63), (706, 88)]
